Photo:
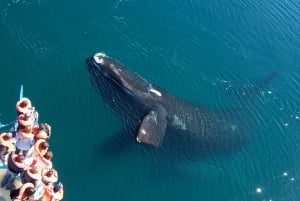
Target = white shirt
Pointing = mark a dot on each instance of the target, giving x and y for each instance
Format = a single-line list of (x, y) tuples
[(23, 143)]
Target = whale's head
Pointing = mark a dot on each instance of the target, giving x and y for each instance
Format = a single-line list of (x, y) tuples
[(106, 69), (102, 65)]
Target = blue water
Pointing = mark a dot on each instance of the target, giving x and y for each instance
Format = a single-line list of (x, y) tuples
[(202, 51)]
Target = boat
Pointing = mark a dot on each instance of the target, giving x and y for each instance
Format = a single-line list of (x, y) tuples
[(47, 187)]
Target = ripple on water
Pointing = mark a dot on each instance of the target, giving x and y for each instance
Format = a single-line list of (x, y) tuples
[(25, 40)]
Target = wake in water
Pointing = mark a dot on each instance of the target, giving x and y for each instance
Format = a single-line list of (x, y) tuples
[(31, 43), (7, 4)]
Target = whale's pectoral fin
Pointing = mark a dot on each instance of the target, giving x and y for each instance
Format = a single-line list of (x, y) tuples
[(153, 127)]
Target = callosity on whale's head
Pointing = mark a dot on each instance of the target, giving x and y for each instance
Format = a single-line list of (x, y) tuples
[(102, 65)]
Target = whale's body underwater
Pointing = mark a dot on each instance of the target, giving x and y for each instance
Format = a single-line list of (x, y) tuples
[(155, 117)]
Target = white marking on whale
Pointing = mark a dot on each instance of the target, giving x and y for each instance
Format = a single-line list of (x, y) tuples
[(178, 122), (156, 92), (98, 60)]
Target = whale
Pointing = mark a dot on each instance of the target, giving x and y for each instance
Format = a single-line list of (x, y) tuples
[(153, 117)]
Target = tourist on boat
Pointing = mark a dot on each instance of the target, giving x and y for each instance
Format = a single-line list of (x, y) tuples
[(25, 120), (32, 175), (24, 106), (47, 181), (53, 193), (15, 165), (24, 139), (44, 161), (27, 115), (43, 132), (23, 193), (58, 192), (49, 177), (40, 147), (6, 146), (41, 156)]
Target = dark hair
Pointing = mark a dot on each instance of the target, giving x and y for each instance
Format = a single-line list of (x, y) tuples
[(57, 187), (25, 129), (49, 173), (23, 103), (20, 158), (48, 155), (7, 136), (45, 127), (43, 145), (29, 191), (20, 127)]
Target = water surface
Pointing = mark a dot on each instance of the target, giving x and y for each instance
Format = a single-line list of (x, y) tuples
[(201, 51)]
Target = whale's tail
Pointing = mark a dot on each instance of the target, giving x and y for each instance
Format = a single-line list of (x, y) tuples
[(266, 81), (251, 91)]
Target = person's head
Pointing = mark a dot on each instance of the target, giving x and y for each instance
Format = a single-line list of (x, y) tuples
[(25, 129), (48, 155), (43, 145), (45, 128), (24, 102), (20, 158), (7, 136), (49, 173), (29, 191), (20, 127), (57, 187), (34, 170)]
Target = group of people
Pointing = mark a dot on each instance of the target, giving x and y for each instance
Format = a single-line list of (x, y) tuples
[(25, 151)]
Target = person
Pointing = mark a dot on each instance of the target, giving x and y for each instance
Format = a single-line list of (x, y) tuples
[(6, 146), (29, 119), (15, 166), (40, 147), (41, 156), (49, 177), (34, 175), (23, 193), (43, 132), (58, 192), (31, 175), (53, 193), (24, 139), (24, 106), (44, 161), (25, 120)]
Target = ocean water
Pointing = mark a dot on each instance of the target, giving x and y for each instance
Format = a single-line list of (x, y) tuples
[(207, 52)]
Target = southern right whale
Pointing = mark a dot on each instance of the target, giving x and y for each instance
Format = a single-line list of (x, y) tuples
[(153, 116)]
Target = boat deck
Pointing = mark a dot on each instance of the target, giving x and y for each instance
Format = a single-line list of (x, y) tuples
[(4, 194)]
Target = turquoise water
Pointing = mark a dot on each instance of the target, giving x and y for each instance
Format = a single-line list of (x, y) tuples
[(201, 51)]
